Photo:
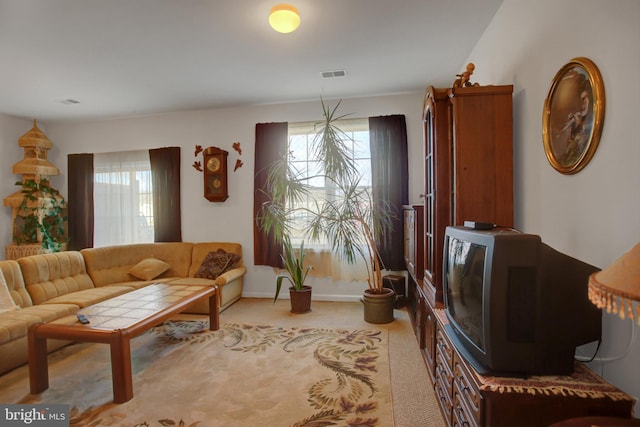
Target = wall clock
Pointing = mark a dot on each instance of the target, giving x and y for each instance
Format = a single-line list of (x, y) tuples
[(215, 174)]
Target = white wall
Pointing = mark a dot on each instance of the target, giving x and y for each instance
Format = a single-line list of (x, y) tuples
[(593, 215), (231, 220)]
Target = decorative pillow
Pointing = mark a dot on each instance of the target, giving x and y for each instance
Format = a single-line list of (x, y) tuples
[(149, 269), (6, 302), (216, 263)]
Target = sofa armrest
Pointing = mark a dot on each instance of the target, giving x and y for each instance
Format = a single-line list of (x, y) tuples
[(231, 275)]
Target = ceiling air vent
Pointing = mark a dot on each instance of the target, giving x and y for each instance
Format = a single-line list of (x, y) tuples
[(333, 74)]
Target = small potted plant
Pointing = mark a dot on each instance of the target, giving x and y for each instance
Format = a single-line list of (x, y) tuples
[(293, 260)]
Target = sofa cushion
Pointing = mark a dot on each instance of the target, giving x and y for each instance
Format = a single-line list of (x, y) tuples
[(15, 324), (48, 276), (15, 351), (202, 249), (15, 283), (149, 269), (137, 284), (215, 263), (89, 296), (6, 302)]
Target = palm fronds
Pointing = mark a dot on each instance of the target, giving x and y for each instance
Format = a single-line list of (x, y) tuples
[(347, 218)]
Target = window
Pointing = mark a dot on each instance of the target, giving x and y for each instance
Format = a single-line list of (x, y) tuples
[(123, 198), (301, 160)]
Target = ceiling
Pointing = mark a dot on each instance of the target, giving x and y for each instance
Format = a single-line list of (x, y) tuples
[(95, 59)]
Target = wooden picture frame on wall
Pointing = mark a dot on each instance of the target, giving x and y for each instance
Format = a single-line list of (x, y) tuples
[(573, 116)]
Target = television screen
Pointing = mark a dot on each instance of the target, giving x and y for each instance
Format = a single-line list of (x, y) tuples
[(465, 271)]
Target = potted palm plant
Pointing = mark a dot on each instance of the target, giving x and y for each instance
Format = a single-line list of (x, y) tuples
[(293, 261), (348, 219)]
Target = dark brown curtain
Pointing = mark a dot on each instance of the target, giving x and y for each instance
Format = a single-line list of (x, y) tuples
[(165, 176), (271, 145), (389, 170), (80, 201)]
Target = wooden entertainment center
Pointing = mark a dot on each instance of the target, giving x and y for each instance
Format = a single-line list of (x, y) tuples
[(469, 176)]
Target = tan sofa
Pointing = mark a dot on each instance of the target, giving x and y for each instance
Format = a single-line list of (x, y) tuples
[(50, 287), (14, 324), (110, 266)]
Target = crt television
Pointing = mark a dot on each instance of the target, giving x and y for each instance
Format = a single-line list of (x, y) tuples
[(516, 306)]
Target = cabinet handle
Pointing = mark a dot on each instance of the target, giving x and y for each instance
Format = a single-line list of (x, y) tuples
[(465, 388), (461, 413)]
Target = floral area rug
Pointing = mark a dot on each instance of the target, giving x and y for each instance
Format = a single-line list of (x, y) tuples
[(242, 375)]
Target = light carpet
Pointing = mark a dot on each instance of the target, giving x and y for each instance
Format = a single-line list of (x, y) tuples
[(186, 374), (277, 369)]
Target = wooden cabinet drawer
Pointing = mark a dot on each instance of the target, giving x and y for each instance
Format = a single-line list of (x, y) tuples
[(444, 376), (444, 398), (466, 391), (444, 373), (460, 414), (444, 346)]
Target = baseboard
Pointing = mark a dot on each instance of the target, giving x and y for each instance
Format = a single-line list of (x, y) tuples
[(325, 297)]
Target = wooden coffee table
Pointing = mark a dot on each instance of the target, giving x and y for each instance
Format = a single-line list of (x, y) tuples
[(115, 322)]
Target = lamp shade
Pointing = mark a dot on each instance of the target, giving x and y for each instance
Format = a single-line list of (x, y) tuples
[(617, 287), (284, 18)]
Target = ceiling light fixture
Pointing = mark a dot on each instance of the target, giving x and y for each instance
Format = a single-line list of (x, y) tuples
[(284, 18)]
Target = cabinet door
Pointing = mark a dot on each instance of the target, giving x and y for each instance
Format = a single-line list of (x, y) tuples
[(409, 240), (418, 239), (429, 347), (483, 154), (437, 195)]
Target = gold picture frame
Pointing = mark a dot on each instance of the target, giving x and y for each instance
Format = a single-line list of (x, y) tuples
[(573, 116)]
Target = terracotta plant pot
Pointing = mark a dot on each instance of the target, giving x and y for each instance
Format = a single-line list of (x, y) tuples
[(378, 308), (300, 300)]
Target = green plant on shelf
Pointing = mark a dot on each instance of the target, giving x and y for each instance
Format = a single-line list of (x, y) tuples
[(41, 215)]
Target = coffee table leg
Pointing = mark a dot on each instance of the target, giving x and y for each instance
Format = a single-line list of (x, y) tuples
[(121, 368), (214, 311), (38, 363)]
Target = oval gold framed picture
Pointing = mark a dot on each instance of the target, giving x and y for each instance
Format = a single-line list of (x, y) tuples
[(573, 116)]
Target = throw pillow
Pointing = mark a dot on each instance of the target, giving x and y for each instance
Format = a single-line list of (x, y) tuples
[(216, 263), (149, 269), (6, 302)]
